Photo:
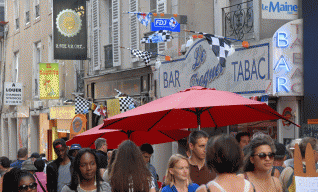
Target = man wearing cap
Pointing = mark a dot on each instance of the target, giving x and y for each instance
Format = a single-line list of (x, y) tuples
[(74, 149), (290, 162), (22, 156), (59, 171), (280, 157)]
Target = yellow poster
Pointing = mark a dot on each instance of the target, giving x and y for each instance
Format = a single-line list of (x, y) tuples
[(49, 81), (54, 137), (113, 107)]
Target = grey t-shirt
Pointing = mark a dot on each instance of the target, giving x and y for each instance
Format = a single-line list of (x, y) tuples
[(64, 177), (104, 187)]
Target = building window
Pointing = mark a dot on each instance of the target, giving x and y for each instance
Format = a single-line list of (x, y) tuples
[(37, 60), (16, 67), (27, 11), (16, 14), (151, 47), (108, 56), (153, 6), (37, 8)]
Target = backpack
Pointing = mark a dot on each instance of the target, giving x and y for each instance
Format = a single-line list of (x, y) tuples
[(291, 184)]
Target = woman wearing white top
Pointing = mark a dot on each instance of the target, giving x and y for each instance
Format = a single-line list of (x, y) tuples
[(224, 156), (129, 171)]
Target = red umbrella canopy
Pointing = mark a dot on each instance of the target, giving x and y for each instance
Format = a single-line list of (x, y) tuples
[(115, 137), (191, 108)]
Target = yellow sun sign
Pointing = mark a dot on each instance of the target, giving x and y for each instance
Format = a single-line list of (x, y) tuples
[(49, 81)]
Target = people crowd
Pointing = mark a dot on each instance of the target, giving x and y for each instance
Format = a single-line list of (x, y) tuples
[(222, 163)]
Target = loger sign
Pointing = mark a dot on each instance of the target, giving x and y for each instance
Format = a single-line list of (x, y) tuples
[(280, 9)]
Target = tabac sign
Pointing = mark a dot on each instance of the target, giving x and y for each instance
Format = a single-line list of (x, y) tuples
[(246, 71), (13, 93)]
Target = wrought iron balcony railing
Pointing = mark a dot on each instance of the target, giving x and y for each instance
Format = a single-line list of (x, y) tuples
[(238, 21)]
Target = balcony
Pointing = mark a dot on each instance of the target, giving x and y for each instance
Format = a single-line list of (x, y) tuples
[(238, 21)]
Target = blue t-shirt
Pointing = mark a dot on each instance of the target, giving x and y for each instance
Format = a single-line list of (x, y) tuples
[(17, 164), (191, 188)]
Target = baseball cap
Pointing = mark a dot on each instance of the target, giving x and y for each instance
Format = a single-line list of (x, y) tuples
[(76, 146), (35, 155), (28, 166), (280, 150)]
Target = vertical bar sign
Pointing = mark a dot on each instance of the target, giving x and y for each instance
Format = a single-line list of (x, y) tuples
[(49, 81)]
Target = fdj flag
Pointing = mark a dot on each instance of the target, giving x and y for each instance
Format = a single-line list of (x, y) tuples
[(49, 81), (69, 29)]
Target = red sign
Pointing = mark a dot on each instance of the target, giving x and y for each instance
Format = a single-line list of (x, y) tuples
[(288, 115)]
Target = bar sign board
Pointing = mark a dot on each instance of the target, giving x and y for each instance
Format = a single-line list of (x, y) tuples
[(13, 93)]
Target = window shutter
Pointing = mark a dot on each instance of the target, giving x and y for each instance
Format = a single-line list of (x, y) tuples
[(134, 27), (96, 46), (116, 32), (161, 8)]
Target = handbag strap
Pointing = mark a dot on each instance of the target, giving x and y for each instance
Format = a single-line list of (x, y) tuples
[(40, 183)]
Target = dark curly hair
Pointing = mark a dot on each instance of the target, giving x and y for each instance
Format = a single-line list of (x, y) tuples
[(249, 150), (77, 175)]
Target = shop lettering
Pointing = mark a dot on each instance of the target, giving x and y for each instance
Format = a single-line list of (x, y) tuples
[(282, 82), (208, 76), (290, 9), (246, 70), (13, 90), (68, 46), (172, 79)]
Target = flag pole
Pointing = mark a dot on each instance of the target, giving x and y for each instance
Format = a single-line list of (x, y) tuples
[(148, 51), (245, 44)]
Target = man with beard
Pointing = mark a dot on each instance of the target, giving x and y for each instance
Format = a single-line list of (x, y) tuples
[(199, 172)]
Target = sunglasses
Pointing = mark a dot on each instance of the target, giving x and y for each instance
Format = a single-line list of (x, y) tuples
[(264, 155), (26, 187)]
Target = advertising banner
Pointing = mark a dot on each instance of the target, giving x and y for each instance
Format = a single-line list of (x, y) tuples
[(280, 9), (69, 29), (49, 81), (168, 22)]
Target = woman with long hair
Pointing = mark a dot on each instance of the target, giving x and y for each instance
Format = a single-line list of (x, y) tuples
[(224, 156), (258, 163), (178, 175), (17, 180), (109, 166), (86, 174), (129, 171)]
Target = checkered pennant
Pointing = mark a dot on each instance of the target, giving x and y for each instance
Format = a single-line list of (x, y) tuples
[(145, 55), (220, 46), (81, 105), (158, 37), (126, 103)]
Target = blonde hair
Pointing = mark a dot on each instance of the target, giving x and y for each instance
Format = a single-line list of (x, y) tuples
[(174, 159)]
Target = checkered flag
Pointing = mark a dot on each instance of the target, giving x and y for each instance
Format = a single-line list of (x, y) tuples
[(126, 103), (158, 37), (120, 94), (220, 46), (81, 105), (145, 55)]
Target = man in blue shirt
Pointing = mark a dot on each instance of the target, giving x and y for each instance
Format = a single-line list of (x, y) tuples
[(22, 156), (147, 151)]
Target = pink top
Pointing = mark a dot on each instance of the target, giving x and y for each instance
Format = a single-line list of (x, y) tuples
[(42, 178)]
